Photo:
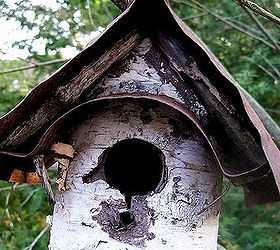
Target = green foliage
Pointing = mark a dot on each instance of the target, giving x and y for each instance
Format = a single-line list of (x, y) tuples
[(254, 228), (22, 216), (253, 63), (13, 87)]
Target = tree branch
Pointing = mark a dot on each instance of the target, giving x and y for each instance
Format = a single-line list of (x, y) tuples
[(38, 237), (194, 16), (90, 15), (270, 64), (261, 27), (256, 8), (6, 206), (19, 58), (42, 64), (200, 7)]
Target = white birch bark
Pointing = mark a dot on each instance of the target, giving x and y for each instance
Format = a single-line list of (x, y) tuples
[(85, 217)]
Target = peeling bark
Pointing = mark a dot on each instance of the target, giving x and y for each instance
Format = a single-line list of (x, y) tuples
[(90, 212)]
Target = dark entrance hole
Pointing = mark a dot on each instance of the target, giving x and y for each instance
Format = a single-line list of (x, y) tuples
[(134, 166)]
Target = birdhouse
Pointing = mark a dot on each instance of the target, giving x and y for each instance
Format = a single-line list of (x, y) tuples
[(143, 125)]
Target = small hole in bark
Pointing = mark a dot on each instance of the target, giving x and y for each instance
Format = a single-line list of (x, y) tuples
[(126, 219), (134, 166)]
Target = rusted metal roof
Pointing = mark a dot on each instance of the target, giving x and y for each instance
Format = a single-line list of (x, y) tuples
[(240, 143)]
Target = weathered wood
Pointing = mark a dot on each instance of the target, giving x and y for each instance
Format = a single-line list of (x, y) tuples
[(86, 217), (146, 70), (68, 94), (243, 144)]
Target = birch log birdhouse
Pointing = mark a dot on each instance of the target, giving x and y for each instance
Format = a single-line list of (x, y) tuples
[(143, 123)]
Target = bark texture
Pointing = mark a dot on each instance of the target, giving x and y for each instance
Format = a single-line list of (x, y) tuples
[(89, 215)]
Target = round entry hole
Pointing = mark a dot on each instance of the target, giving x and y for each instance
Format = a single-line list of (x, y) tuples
[(134, 166)]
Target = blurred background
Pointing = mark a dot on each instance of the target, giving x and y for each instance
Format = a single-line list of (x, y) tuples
[(37, 37)]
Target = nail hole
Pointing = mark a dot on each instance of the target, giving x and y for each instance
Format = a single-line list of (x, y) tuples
[(127, 219)]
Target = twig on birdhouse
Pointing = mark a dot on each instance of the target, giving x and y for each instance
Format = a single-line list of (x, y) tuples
[(216, 200), (44, 178)]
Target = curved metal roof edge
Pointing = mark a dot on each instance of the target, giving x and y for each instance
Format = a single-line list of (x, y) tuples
[(269, 147)]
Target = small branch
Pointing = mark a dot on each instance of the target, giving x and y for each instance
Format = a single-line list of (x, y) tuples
[(262, 28), (29, 196), (19, 58), (43, 175), (264, 4), (256, 8), (194, 16), (200, 7), (39, 236), (248, 33), (265, 70), (273, 110), (270, 64), (90, 15), (6, 207), (42, 64), (19, 186), (106, 10), (247, 27)]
